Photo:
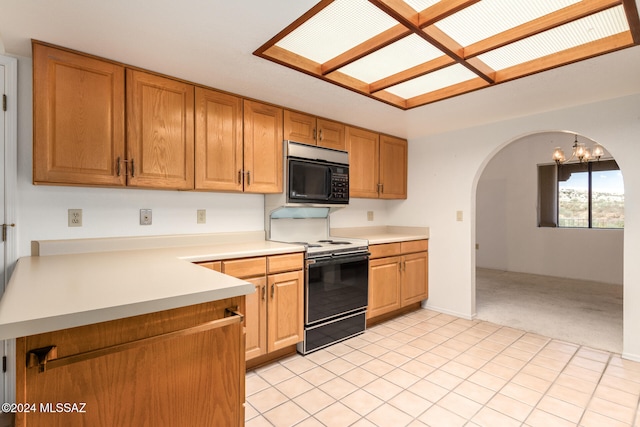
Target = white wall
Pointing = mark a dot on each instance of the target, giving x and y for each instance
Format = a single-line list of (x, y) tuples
[(444, 170), (506, 220), (108, 212)]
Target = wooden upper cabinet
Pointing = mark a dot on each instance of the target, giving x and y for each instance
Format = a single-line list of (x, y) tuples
[(299, 127), (218, 148), (331, 134), (160, 131), (377, 165), (363, 147), (263, 136), (310, 130), (393, 168), (78, 123)]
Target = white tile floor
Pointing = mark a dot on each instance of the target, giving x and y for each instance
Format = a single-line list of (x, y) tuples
[(432, 369)]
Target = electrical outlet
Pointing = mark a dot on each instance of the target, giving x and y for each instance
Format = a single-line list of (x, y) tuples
[(477, 246), (369, 215), (74, 217), (145, 216), (202, 216)]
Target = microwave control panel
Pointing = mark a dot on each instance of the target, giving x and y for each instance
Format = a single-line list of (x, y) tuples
[(340, 186)]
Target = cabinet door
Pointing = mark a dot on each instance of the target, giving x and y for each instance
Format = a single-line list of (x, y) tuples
[(299, 127), (393, 168), (285, 309), (173, 368), (384, 286), (331, 135), (262, 148), (159, 132), (415, 268), (362, 146), (78, 119), (255, 319), (218, 134)]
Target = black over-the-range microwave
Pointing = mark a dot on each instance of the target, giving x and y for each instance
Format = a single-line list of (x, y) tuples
[(316, 175)]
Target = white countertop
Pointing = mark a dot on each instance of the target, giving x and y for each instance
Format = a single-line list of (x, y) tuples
[(383, 234), (64, 290)]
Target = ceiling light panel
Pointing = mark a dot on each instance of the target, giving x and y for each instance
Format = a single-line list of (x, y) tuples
[(399, 56), (433, 81), (594, 27), (337, 28), (490, 17), (420, 5)]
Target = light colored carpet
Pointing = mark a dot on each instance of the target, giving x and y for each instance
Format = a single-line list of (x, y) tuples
[(581, 312)]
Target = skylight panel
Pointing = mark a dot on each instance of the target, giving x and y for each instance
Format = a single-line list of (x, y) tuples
[(369, 46), (433, 81), (591, 28), (490, 17), (399, 56), (337, 28), (420, 5)]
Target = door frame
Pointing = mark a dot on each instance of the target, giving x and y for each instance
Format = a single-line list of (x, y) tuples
[(7, 392)]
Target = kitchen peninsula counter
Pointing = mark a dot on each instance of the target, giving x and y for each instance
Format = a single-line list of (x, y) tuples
[(69, 283), (383, 234)]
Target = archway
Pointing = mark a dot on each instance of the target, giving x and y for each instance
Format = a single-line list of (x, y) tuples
[(508, 239)]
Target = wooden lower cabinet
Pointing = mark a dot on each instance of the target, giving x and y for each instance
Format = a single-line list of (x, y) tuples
[(398, 277), (180, 367), (274, 313), (256, 320), (285, 313), (384, 286)]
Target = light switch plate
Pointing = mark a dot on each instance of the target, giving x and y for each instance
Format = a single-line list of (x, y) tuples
[(458, 215), (145, 216)]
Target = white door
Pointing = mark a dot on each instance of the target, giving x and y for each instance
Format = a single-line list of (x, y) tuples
[(3, 279), (8, 173)]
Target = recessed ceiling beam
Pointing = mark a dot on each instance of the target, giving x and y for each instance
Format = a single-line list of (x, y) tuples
[(633, 18), (447, 92), (442, 9), (411, 73), (565, 57), (539, 25), (383, 39), (432, 35)]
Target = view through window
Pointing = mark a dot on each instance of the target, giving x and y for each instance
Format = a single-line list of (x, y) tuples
[(591, 195)]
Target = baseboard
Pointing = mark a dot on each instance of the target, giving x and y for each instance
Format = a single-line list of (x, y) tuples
[(632, 357), (445, 311)]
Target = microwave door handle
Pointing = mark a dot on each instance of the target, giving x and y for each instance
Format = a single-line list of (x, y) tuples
[(327, 175)]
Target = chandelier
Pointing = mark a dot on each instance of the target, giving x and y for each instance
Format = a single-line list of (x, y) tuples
[(580, 152)]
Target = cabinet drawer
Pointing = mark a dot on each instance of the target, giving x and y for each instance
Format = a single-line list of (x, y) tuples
[(384, 250), (414, 246), (212, 265), (281, 263), (246, 267)]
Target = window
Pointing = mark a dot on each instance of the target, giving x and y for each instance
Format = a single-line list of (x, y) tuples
[(581, 195)]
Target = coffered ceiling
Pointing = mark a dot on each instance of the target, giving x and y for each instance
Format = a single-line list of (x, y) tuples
[(408, 53)]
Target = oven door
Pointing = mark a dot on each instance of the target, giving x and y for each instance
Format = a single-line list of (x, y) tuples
[(336, 285)]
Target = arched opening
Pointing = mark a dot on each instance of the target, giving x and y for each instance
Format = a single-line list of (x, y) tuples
[(561, 282)]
